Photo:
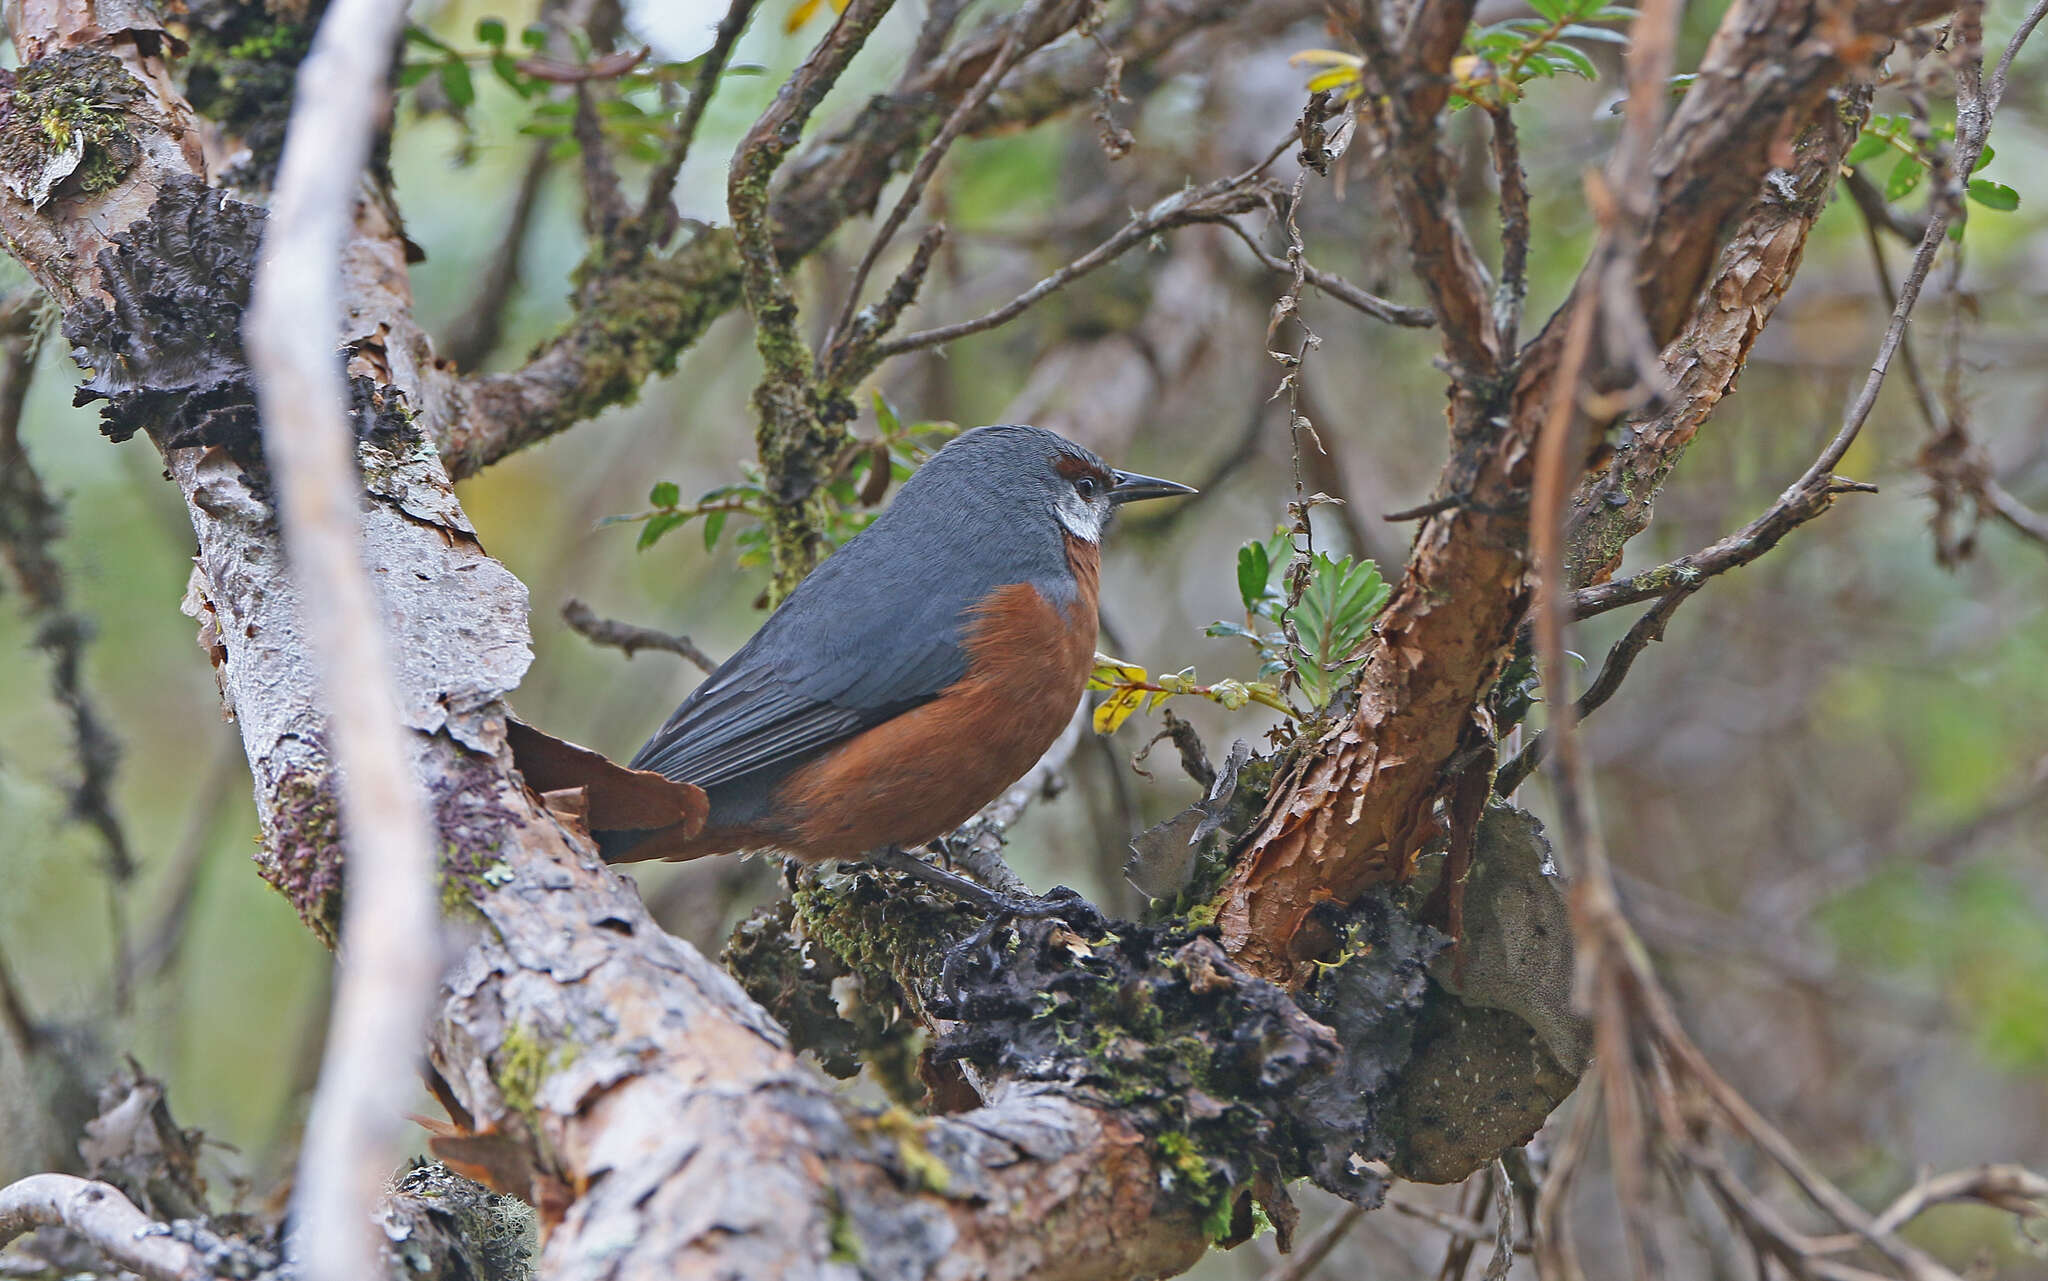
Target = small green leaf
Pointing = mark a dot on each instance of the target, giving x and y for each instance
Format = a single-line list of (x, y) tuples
[(658, 524), (506, 68), (421, 36), (714, 525), (413, 72), (887, 421), (1994, 195), (1551, 9), (1905, 177), (456, 83), (664, 494), (1579, 31), (1565, 58), (491, 31), (534, 36), (1983, 157), (1253, 570), (1869, 146)]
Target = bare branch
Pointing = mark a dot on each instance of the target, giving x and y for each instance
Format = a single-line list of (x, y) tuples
[(1216, 202), (1513, 288), (1032, 26), (390, 953), (101, 1215), (475, 333), (1309, 1256), (629, 637), (657, 214), (1337, 287)]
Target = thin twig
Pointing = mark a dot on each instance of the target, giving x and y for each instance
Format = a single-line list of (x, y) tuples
[(1513, 288), (1649, 627), (98, 1213), (1021, 39), (389, 935), (657, 213), (1216, 202), (1310, 1255), (476, 332), (30, 524), (1339, 288), (629, 637), (604, 201)]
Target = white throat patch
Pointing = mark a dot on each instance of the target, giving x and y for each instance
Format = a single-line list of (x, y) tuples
[(1080, 517)]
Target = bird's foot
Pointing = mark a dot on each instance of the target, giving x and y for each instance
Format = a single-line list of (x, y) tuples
[(1060, 902)]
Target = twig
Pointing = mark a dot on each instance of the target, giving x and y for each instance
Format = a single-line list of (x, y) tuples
[(158, 951), (1303, 1263), (1339, 288), (102, 1216), (2016, 514), (30, 524), (1649, 627), (852, 355), (1022, 38), (1216, 202), (630, 637), (389, 936), (604, 202), (1513, 288), (657, 213), (475, 333)]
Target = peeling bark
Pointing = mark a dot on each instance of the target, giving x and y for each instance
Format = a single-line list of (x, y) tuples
[(1358, 810)]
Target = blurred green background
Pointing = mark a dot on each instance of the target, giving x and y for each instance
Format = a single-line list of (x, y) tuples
[(1825, 789)]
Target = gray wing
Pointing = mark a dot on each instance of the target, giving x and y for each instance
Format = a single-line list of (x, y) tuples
[(833, 661)]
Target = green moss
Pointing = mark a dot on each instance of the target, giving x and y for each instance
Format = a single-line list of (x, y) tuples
[(845, 1238), (241, 73), (74, 101), (920, 1165), (523, 1064), (1191, 1176)]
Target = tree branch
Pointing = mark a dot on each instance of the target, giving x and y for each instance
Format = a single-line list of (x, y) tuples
[(100, 1214), (389, 935), (630, 638), (1355, 813)]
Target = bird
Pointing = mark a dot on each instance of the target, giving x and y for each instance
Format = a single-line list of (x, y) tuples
[(912, 677)]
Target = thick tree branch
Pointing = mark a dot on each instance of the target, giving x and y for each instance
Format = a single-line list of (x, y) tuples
[(1355, 813)]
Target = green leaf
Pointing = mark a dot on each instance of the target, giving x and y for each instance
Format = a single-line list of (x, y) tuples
[(1551, 9), (1579, 31), (456, 83), (1565, 58), (413, 72), (506, 68), (1238, 631), (1994, 195), (1905, 177), (422, 36), (658, 524), (1615, 13), (1869, 146), (664, 494), (714, 525), (887, 421), (491, 31), (1253, 570), (534, 36), (1983, 158)]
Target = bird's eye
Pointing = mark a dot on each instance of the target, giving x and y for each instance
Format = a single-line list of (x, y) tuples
[(1085, 487)]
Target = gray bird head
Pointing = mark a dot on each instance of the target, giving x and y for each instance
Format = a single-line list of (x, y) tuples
[(1031, 477)]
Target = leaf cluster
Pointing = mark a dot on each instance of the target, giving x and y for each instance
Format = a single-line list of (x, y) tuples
[(861, 477), (1499, 58), (636, 118), (1910, 146), (1329, 621)]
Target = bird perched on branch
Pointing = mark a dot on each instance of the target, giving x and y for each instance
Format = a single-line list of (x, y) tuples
[(915, 675)]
